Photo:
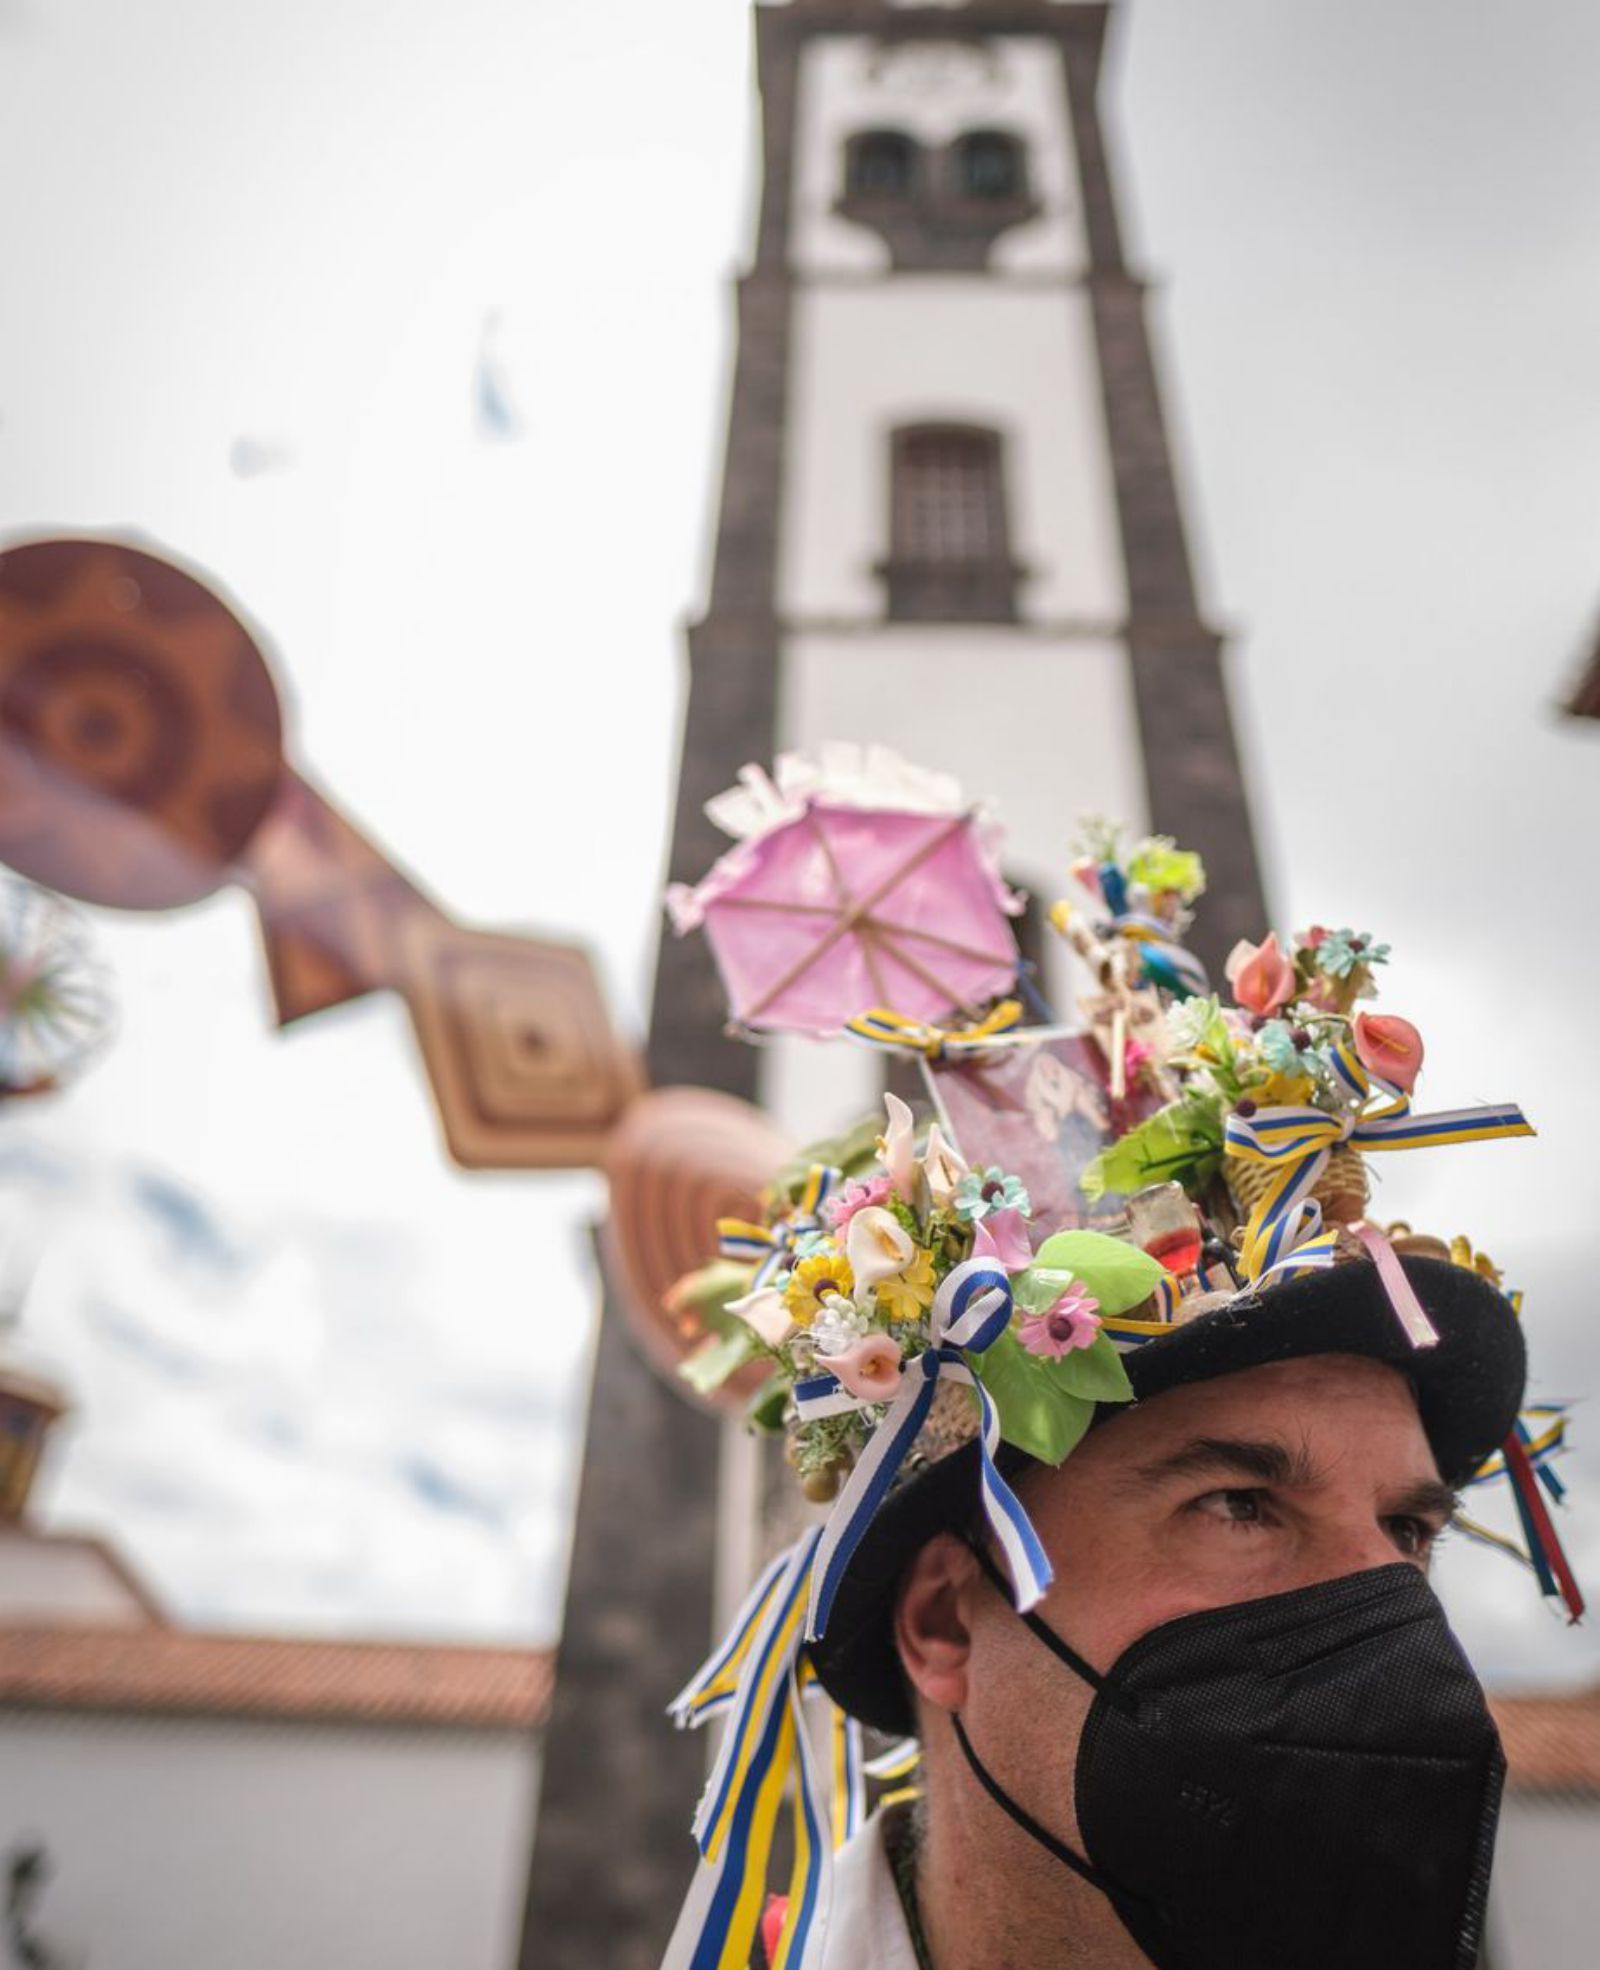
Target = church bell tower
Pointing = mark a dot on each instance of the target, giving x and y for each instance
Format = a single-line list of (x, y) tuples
[(948, 522)]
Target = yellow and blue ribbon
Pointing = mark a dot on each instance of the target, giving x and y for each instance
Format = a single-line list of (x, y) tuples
[(970, 1312), (761, 1678), (1284, 1231), (882, 1027), (769, 1247)]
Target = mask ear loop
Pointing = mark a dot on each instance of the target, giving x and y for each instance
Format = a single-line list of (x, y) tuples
[(1057, 1848), (1003, 1799), (1064, 1651)]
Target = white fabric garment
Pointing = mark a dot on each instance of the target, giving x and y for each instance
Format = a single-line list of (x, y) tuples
[(866, 1926)]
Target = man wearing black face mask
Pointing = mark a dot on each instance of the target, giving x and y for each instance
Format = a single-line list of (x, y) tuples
[(1237, 1733), (1254, 1489), (1130, 1527)]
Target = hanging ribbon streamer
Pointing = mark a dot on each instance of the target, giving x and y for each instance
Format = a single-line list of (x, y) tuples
[(1543, 1429), (1420, 1330), (1544, 1547), (892, 1030), (761, 1677), (897, 1770), (970, 1312), (768, 1247), (1544, 1437), (1295, 1143)]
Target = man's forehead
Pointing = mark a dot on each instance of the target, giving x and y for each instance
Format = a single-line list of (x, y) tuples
[(1340, 1399)]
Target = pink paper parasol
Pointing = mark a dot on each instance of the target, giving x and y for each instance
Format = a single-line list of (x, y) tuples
[(841, 908)]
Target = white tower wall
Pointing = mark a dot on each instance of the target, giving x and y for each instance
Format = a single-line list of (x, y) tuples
[(1038, 713)]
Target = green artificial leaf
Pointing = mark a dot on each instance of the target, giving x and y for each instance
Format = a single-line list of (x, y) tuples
[(708, 1293), (1174, 1145), (1119, 1275), (716, 1359), (854, 1153), (765, 1412), (1096, 1372), (1038, 1289), (1038, 1412)]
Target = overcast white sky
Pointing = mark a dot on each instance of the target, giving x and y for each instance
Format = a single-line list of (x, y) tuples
[(326, 1382)]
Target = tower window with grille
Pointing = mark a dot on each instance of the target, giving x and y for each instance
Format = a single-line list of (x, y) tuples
[(950, 556), (989, 165), (882, 164)]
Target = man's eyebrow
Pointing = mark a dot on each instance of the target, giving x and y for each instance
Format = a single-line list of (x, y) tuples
[(1265, 1460), (1430, 1499)]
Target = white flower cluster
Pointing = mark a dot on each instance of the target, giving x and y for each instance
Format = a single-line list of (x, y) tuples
[(838, 1325)]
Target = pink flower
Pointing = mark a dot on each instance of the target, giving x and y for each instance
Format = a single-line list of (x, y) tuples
[(1003, 1237), (1390, 1048), (1071, 1323), (1317, 934), (870, 1368), (856, 1196), (1261, 975)]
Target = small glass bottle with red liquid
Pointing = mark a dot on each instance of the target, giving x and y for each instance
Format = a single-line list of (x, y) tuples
[(1166, 1224)]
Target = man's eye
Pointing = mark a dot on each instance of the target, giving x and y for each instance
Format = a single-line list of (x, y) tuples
[(1413, 1537), (1233, 1507)]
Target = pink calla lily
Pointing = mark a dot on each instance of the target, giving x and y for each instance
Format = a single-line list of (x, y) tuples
[(869, 1369), (1389, 1047), (1262, 975)]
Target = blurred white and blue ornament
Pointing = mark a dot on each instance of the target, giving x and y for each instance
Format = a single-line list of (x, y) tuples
[(56, 1007)]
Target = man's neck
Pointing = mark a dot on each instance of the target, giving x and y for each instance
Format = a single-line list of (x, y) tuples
[(988, 1898)]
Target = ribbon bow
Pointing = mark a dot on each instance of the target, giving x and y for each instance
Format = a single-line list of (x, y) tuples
[(882, 1028), (768, 1246), (762, 1677), (1162, 960), (1283, 1234), (970, 1312)]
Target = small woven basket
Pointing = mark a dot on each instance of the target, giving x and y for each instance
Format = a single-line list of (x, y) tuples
[(1342, 1190)]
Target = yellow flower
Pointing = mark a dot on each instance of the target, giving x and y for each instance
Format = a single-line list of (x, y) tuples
[(822, 1273), (905, 1294), (1282, 1091)]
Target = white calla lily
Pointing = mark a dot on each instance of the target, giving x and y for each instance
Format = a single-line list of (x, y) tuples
[(878, 1246), (765, 1313), (942, 1169), (897, 1147)]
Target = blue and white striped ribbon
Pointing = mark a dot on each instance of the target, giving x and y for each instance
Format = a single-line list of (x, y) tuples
[(970, 1312)]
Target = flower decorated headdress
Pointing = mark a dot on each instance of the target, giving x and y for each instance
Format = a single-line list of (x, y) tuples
[(918, 1317)]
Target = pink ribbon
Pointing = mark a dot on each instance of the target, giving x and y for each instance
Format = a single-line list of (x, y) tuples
[(1420, 1330)]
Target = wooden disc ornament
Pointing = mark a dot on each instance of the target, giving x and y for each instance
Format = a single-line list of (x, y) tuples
[(141, 741), (680, 1159)]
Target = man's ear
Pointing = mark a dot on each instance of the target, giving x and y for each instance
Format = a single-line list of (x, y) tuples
[(930, 1621)]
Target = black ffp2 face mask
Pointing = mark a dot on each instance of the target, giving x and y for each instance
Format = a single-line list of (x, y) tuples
[(1306, 1782)]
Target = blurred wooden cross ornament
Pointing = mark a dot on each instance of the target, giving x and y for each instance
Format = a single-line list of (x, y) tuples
[(142, 767)]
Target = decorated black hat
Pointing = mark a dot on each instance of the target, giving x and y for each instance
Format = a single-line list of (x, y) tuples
[(1171, 1189)]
